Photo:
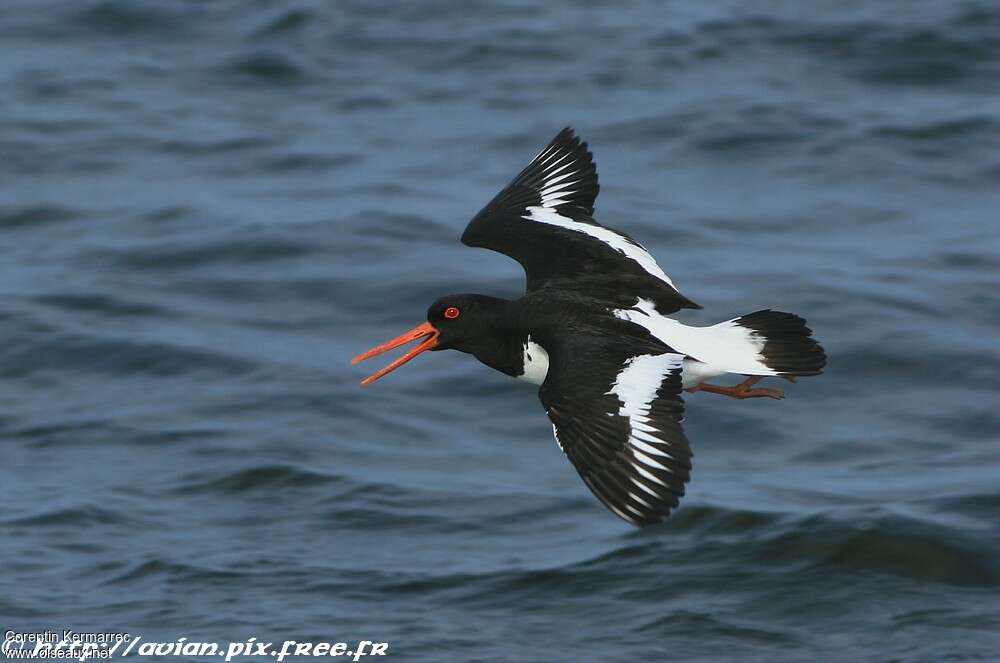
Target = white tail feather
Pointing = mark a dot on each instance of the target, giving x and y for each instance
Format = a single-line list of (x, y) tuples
[(725, 347)]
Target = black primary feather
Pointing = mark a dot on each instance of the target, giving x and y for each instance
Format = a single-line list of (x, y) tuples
[(562, 181)]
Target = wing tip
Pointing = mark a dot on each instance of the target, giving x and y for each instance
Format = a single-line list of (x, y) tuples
[(567, 132), (569, 143), (569, 139)]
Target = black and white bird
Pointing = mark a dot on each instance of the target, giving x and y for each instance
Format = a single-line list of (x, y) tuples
[(592, 330)]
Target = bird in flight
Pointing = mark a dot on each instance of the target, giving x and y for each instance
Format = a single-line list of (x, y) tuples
[(592, 330)]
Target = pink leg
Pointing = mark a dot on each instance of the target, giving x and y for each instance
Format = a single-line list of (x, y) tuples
[(742, 390)]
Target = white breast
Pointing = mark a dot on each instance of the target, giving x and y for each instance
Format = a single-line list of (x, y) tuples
[(536, 363)]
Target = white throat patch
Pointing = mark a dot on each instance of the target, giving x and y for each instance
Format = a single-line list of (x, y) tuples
[(536, 363)]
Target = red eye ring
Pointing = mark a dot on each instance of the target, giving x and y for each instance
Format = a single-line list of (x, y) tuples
[(452, 312)]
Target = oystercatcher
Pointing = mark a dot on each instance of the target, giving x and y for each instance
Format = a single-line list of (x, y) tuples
[(592, 330)]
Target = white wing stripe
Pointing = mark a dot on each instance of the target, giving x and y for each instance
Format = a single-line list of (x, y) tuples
[(545, 154), (638, 382), (636, 387), (639, 444), (553, 159), (640, 500), (644, 487), (556, 180), (549, 187), (608, 237), (652, 477), (642, 424), (552, 170), (643, 435), (649, 462), (558, 190)]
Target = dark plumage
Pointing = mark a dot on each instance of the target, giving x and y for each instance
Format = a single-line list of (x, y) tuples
[(591, 331)]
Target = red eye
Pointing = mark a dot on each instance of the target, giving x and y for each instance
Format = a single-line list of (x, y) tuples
[(451, 313)]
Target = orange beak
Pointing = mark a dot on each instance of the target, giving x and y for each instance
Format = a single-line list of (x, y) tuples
[(415, 334)]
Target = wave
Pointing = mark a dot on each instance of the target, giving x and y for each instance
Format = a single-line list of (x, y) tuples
[(128, 18), (100, 303), (739, 542), (33, 216), (266, 67), (174, 571), (25, 355), (936, 49), (183, 255), (79, 516), (702, 548), (266, 478), (288, 22)]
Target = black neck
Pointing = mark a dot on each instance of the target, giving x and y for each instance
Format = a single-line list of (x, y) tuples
[(498, 339), (503, 352)]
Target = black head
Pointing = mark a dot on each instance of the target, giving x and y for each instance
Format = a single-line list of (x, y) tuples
[(468, 323), (465, 321)]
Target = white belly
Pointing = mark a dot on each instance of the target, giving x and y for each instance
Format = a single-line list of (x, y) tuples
[(695, 372)]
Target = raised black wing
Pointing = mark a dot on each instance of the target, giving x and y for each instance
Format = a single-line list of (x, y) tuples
[(617, 415), (544, 220)]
